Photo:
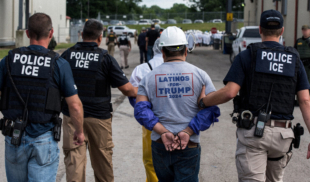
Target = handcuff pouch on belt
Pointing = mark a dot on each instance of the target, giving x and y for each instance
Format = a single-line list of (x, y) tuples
[(242, 118)]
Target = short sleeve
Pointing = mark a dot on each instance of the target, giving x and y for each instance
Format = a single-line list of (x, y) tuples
[(235, 73), (147, 34), (208, 83), (2, 71), (116, 76), (64, 78), (134, 79), (142, 88), (302, 80)]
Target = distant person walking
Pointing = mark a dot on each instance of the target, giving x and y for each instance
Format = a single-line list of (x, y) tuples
[(124, 46), (151, 37), (141, 44), (111, 41)]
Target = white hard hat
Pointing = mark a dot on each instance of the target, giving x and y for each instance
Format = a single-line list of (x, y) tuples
[(172, 36)]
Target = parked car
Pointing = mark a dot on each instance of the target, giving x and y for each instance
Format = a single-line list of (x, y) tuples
[(132, 22), (187, 21), (171, 21), (119, 30), (246, 35), (115, 22), (164, 22), (156, 21), (238, 20), (144, 22), (217, 21), (104, 22), (198, 21)]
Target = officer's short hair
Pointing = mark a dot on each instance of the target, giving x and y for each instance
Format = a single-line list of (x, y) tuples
[(92, 30), (39, 26), (152, 26), (170, 53), (271, 32)]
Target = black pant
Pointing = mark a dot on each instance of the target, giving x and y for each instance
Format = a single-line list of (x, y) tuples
[(142, 52)]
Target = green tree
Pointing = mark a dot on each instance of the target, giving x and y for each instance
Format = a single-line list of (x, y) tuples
[(215, 5)]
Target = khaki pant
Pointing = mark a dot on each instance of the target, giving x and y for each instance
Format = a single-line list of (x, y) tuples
[(255, 157), (124, 51), (111, 48), (98, 140)]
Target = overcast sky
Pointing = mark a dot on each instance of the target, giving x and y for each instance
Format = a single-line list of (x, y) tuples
[(162, 3)]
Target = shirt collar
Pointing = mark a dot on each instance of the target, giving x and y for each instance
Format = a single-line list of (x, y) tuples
[(37, 48), (88, 44)]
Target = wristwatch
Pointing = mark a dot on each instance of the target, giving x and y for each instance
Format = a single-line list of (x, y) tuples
[(201, 104)]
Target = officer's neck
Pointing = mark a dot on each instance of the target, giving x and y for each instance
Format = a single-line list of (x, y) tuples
[(41, 42), (270, 39), (95, 41), (305, 37)]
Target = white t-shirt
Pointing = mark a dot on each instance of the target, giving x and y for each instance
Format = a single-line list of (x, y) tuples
[(142, 70)]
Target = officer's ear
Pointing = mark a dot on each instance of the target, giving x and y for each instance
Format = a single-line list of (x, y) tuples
[(27, 32), (99, 39), (51, 33), (282, 31)]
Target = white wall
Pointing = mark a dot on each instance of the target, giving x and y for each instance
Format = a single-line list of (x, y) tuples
[(9, 15), (289, 19)]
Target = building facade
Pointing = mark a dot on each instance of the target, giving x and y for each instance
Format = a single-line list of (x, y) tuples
[(9, 18), (295, 12)]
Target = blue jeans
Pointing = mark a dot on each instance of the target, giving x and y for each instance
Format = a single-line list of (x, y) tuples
[(36, 159), (150, 53), (176, 166)]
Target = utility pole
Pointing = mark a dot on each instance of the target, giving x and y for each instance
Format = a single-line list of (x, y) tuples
[(228, 10), (81, 11), (27, 13), (20, 17)]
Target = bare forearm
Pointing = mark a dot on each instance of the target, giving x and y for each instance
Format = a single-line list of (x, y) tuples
[(76, 115), (159, 128), (216, 98), (305, 108)]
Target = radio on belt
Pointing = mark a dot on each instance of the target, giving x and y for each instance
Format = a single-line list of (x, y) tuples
[(263, 117)]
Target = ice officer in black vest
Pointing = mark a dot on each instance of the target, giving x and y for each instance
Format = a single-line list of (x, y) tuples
[(32, 81), (268, 76), (95, 72)]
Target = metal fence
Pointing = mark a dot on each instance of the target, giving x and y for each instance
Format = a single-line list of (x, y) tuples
[(205, 16)]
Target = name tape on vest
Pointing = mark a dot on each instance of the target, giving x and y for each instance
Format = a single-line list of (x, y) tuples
[(174, 85), (31, 65), (276, 62), (82, 59)]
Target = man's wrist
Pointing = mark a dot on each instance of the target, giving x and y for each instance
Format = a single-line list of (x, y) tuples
[(189, 131)]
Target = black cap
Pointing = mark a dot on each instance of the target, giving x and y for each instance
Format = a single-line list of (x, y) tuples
[(271, 16)]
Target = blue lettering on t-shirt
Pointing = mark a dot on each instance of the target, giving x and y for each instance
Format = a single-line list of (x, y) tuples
[(180, 84)]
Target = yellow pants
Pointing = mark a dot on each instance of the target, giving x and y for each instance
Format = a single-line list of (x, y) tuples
[(147, 156)]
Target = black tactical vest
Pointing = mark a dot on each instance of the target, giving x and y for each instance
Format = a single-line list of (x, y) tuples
[(33, 73), (271, 66), (123, 40), (93, 87)]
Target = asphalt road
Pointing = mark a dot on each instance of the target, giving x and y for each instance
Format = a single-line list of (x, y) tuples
[(218, 143)]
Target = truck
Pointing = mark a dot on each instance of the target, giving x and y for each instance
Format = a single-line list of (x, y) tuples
[(245, 36)]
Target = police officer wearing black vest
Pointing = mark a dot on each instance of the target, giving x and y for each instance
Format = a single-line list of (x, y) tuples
[(94, 71), (303, 47), (32, 80), (268, 76)]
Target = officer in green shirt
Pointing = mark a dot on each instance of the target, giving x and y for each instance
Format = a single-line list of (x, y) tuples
[(303, 47), (111, 42)]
